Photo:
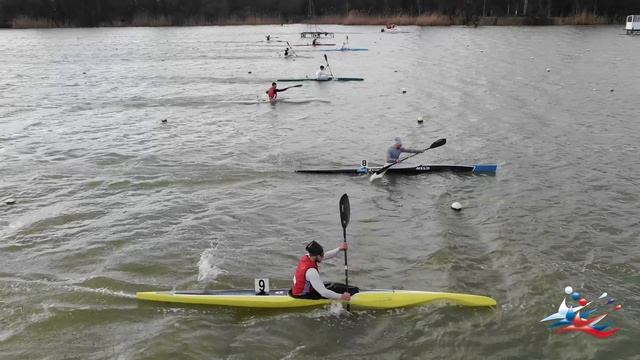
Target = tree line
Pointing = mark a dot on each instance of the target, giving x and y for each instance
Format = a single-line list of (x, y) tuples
[(123, 12)]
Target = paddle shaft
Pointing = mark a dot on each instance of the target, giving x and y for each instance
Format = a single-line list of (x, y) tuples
[(345, 215), (291, 48), (328, 66), (346, 266), (294, 86)]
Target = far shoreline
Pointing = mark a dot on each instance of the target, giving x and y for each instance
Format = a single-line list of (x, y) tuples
[(432, 19)]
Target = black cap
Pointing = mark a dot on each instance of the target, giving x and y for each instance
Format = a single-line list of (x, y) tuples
[(313, 248)]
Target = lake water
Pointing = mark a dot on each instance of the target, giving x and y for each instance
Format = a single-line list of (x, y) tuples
[(110, 200)]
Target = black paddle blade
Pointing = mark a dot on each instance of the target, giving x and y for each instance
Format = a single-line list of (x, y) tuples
[(345, 211), (438, 143), (325, 58)]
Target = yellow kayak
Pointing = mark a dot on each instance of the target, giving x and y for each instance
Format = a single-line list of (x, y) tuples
[(280, 299)]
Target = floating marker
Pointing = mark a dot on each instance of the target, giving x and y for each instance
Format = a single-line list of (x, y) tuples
[(575, 295), (604, 295), (420, 120), (456, 206), (164, 121), (404, 91), (568, 290), (582, 302), (617, 307), (10, 201), (548, 70), (611, 301)]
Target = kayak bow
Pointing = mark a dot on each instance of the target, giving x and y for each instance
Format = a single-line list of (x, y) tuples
[(280, 299)]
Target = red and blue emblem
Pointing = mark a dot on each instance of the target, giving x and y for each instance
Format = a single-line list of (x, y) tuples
[(582, 317)]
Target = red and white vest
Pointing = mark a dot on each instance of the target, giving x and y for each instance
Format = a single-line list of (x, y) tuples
[(272, 92), (300, 284)]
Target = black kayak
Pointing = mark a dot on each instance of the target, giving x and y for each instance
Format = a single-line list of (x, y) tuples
[(408, 170)]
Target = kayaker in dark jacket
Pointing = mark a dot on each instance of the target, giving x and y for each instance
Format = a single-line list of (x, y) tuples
[(306, 281), (394, 152)]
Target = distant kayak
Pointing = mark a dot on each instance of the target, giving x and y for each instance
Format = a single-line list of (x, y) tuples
[(393, 30), (346, 49), (276, 101), (280, 299), (315, 45), (330, 79)]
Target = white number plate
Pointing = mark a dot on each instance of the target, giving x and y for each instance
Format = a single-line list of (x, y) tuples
[(262, 286)]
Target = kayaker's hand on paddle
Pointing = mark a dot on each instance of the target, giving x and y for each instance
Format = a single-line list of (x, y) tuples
[(345, 296), (343, 246)]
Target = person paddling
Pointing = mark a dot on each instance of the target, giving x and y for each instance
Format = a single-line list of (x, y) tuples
[(322, 74), (286, 52), (273, 91), (394, 152), (306, 281)]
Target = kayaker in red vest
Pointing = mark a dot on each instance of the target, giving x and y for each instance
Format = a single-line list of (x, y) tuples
[(307, 283), (273, 91)]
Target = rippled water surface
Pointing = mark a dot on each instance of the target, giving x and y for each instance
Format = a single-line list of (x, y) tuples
[(110, 200)]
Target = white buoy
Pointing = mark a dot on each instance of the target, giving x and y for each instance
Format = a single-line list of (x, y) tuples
[(420, 119), (404, 91), (568, 290), (456, 206), (548, 70), (10, 201)]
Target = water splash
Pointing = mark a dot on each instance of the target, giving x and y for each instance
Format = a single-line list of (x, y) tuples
[(102, 291), (336, 309), (210, 262)]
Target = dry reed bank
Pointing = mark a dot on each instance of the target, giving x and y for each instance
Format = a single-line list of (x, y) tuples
[(431, 19)]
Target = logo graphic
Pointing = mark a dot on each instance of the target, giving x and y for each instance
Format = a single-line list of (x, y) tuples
[(581, 318)]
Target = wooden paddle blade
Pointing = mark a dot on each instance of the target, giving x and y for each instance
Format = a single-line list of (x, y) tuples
[(438, 143), (345, 211)]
